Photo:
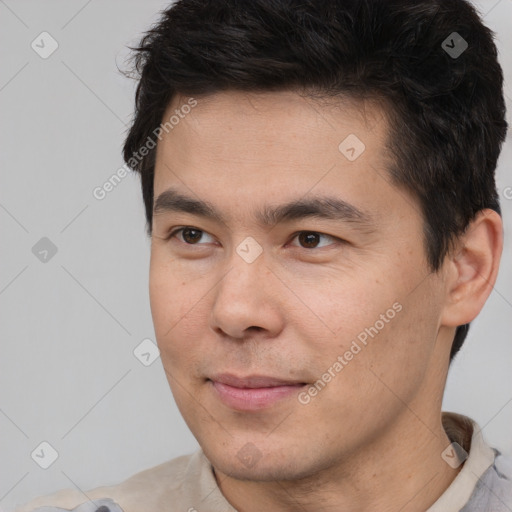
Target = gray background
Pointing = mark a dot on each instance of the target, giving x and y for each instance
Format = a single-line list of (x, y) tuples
[(70, 324)]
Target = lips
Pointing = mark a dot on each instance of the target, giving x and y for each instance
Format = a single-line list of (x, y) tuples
[(252, 393), (253, 381)]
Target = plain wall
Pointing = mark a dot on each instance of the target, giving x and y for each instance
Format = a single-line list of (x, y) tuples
[(69, 325)]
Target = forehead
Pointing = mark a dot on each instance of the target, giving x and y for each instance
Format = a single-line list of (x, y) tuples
[(258, 159), (273, 108), (283, 131), (235, 149)]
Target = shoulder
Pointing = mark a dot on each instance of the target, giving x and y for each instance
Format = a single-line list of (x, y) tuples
[(140, 492), (502, 470), (503, 464), (493, 490)]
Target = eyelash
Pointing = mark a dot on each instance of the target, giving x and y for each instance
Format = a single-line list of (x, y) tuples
[(178, 230)]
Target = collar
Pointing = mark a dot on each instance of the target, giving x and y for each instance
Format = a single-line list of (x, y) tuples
[(468, 435)]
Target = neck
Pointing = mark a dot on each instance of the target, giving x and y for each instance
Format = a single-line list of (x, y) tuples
[(401, 470)]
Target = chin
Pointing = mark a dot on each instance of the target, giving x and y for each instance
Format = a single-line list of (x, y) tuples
[(249, 463)]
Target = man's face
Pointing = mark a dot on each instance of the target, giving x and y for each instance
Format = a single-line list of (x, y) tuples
[(290, 346)]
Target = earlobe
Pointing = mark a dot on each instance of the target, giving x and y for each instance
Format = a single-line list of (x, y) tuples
[(473, 268)]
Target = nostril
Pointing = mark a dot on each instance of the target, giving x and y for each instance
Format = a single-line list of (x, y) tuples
[(103, 508)]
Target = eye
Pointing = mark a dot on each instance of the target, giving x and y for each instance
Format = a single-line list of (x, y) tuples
[(309, 239), (190, 235)]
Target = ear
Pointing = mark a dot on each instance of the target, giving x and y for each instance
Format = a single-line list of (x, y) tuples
[(472, 268)]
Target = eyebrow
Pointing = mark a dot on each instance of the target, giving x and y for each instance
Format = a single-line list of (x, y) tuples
[(322, 207)]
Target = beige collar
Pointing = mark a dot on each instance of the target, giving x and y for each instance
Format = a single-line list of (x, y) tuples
[(462, 429)]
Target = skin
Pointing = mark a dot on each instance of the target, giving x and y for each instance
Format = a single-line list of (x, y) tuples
[(372, 438)]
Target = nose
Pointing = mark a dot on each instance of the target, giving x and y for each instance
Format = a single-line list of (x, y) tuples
[(246, 301)]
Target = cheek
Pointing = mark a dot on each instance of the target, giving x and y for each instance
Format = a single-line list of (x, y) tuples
[(177, 307), (169, 290), (166, 292), (390, 350), (344, 305), (372, 323)]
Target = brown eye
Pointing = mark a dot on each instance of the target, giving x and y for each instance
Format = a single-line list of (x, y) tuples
[(311, 239), (189, 235)]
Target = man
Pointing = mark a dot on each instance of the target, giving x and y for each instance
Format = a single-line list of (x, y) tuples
[(318, 178)]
